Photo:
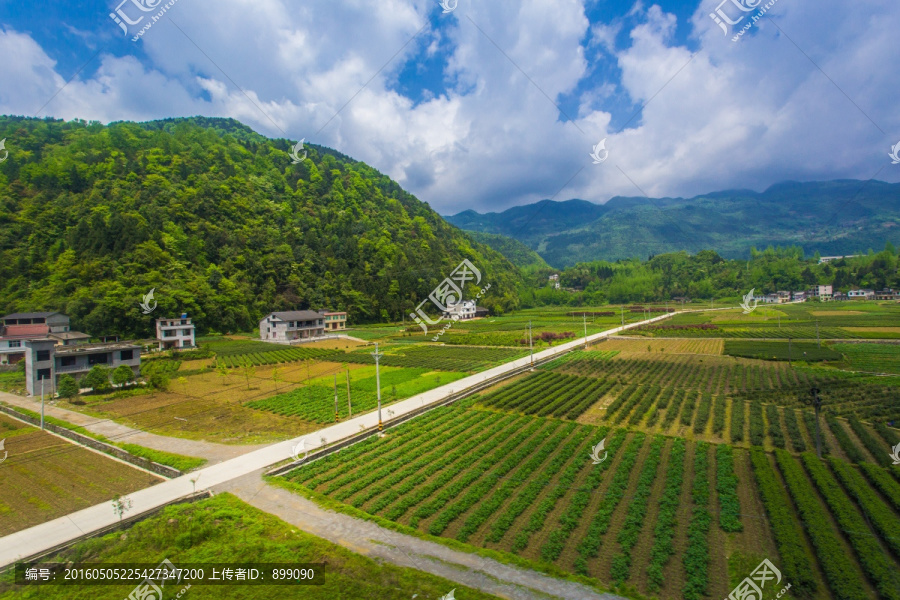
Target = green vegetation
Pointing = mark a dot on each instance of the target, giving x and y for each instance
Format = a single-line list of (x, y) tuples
[(225, 528), (176, 461), (67, 386), (216, 219), (666, 519), (873, 358), (549, 394), (806, 351), (696, 557), (726, 486)]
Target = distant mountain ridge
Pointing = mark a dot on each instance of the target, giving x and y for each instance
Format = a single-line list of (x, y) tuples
[(831, 217)]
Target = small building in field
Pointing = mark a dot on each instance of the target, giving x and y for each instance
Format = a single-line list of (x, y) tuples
[(16, 328), (54, 322), (47, 361), (821, 292), (887, 294), (334, 320), (839, 297), (828, 259), (554, 281), (175, 333), (70, 338), (290, 325)]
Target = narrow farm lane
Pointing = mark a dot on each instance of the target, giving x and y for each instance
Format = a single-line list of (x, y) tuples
[(374, 541)]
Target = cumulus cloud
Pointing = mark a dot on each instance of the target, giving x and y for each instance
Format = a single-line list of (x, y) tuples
[(716, 113)]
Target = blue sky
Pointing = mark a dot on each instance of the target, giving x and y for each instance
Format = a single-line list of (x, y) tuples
[(495, 103)]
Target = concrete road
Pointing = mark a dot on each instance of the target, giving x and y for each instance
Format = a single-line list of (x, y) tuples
[(41, 538)]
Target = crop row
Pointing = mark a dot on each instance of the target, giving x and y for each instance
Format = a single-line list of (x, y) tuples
[(637, 511), (726, 486), (793, 430), (674, 407), (579, 501), (795, 562), (838, 567), (662, 405), (696, 556), (738, 407), (666, 518), (776, 435), (757, 428), (549, 394), (874, 447), (883, 481), (271, 357), (876, 512), (874, 561), (843, 439), (590, 544), (719, 410)]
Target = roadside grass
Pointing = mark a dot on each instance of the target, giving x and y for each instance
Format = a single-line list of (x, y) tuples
[(224, 529)]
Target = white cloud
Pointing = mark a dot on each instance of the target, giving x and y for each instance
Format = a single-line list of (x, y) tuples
[(743, 114)]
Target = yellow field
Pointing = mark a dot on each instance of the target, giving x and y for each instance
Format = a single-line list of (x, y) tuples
[(873, 329), (45, 477), (667, 346), (835, 313)]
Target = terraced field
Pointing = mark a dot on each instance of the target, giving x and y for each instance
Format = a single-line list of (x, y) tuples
[(659, 515)]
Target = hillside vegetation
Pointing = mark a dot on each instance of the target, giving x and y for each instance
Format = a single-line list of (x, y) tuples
[(219, 221)]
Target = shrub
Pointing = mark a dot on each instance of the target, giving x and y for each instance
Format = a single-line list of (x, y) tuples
[(68, 387), (122, 375), (159, 381), (97, 378)]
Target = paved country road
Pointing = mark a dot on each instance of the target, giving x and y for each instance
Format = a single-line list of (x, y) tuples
[(46, 536)]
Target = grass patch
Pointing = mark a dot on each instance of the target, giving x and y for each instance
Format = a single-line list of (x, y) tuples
[(805, 351), (176, 461)]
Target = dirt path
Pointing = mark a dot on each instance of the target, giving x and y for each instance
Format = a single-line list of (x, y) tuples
[(214, 453), (369, 539)]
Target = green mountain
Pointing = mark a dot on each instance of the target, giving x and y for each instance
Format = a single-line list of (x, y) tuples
[(518, 253), (219, 222), (833, 218)]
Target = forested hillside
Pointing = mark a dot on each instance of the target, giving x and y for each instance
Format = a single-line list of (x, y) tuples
[(518, 253), (829, 217), (219, 221)]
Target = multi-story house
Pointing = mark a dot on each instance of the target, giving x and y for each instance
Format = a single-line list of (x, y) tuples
[(17, 328), (861, 294), (175, 333), (461, 310), (334, 320), (887, 294), (822, 292), (45, 360), (287, 326)]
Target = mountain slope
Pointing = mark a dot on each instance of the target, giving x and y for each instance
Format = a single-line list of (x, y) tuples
[(219, 221), (833, 217), (515, 251)]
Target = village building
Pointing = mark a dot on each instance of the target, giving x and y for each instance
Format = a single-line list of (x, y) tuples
[(175, 333), (287, 326), (334, 320), (46, 361)]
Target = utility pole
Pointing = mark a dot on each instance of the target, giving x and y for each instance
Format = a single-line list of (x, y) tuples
[(623, 317), (377, 355), (818, 339), (336, 416), (585, 329), (42, 403), (349, 406), (817, 404), (790, 354), (530, 345)]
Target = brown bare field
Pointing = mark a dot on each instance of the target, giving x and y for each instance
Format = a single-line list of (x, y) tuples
[(209, 406), (332, 344), (45, 477), (665, 346)]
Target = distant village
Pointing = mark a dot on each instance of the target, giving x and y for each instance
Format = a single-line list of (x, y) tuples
[(50, 349)]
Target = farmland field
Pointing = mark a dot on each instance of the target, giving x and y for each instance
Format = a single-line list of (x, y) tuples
[(660, 515), (877, 358), (672, 346), (806, 351), (45, 477)]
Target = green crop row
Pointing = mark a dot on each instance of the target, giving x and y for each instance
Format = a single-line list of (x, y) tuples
[(757, 428), (687, 413), (696, 555), (527, 496), (775, 432), (809, 418), (876, 449), (876, 512), (637, 510), (590, 543), (883, 481), (703, 413), (643, 396), (843, 439), (664, 532), (738, 407), (662, 403), (874, 561), (644, 406), (719, 411), (795, 563), (579, 501), (726, 486), (673, 408), (793, 430), (842, 576)]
